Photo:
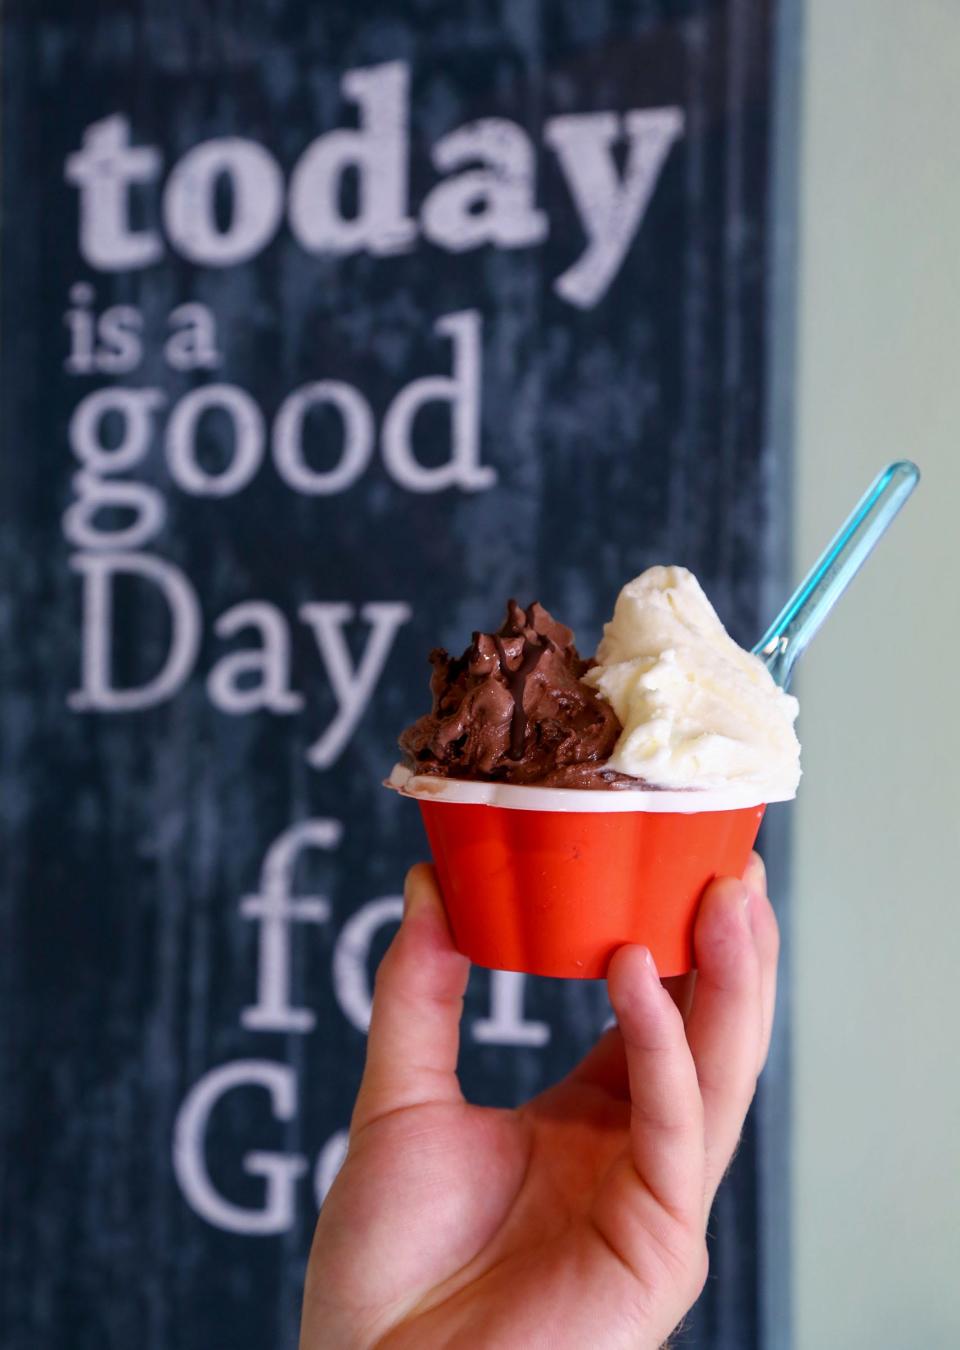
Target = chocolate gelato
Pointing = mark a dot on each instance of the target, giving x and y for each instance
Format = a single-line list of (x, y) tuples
[(513, 709)]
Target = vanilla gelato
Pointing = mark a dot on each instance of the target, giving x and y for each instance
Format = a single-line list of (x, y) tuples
[(697, 711)]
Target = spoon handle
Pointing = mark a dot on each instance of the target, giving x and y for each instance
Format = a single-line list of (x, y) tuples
[(788, 635)]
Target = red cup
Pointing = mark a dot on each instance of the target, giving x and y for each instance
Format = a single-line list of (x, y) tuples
[(556, 891)]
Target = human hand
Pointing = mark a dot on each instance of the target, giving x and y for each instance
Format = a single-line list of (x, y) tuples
[(576, 1220)]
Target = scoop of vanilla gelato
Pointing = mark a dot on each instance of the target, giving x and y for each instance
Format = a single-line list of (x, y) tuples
[(697, 710)]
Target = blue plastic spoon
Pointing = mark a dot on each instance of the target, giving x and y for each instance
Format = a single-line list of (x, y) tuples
[(787, 637)]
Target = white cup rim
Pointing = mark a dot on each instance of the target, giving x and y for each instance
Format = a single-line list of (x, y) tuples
[(515, 797)]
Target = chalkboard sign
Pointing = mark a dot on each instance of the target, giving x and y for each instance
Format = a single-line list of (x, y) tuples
[(325, 328)]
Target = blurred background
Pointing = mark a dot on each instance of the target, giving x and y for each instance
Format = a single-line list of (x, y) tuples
[(324, 328)]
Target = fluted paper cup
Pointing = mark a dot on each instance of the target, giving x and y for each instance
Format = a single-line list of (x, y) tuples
[(551, 881)]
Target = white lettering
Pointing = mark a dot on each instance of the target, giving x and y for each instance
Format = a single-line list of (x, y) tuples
[(378, 152), (93, 495), (121, 348), (506, 1024), (492, 205), (352, 685), (81, 324), (104, 171), (329, 1161), (133, 408), (193, 343), (351, 953), (229, 685), (358, 436), (276, 909), (278, 1170), (97, 692), (223, 201), (256, 201), (610, 209), (247, 434), (462, 391)]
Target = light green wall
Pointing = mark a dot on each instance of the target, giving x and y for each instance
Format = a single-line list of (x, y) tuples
[(876, 927)]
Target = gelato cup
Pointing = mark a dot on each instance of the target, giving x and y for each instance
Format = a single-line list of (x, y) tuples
[(551, 881)]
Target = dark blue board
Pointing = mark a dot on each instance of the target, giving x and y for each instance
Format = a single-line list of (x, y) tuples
[(278, 374)]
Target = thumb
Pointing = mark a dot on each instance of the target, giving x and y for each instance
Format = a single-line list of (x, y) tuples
[(414, 1037)]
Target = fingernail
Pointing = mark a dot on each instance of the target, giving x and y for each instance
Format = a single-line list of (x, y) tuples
[(744, 896), (745, 906), (649, 962), (410, 893), (755, 877)]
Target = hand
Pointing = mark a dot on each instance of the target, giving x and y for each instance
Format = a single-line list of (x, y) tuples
[(577, 1220)]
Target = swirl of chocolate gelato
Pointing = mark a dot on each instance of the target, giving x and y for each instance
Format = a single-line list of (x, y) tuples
[(513, 709)]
